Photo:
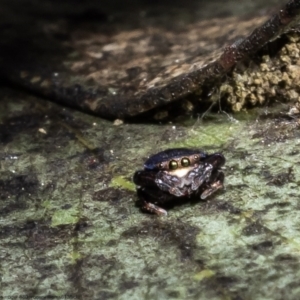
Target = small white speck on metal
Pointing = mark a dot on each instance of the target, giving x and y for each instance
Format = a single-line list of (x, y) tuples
[(42, 130)]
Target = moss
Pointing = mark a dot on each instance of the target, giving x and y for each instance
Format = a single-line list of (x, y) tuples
[(207, 273), (75, 256), (121, 182), (64, 217)]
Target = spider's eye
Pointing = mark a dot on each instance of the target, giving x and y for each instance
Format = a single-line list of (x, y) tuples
[(185, 162), (173, 165)]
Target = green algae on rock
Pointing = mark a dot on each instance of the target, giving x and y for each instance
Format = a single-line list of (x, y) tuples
[(240, 243)]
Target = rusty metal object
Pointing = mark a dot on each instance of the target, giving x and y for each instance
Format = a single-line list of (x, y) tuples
[(116, 72)]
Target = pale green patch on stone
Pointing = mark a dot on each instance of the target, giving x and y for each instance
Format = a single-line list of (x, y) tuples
[(75, 256), (64, 217), (121, 182), (206, 273)]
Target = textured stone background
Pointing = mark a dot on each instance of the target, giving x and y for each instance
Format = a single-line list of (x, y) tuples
[(69, 224)]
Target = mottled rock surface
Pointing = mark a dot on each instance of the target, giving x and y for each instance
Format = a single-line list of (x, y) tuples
[(70, 227)]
